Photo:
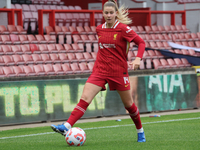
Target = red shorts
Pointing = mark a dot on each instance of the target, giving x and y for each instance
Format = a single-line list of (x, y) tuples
[(115, 83)]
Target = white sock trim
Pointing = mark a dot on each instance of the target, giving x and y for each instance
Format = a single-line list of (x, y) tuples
[(140, 130), (67, 125)]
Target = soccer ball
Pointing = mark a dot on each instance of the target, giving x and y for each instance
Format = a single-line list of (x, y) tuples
[(75, 137)]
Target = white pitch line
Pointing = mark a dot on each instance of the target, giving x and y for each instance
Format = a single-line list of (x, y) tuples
[(101, 127)]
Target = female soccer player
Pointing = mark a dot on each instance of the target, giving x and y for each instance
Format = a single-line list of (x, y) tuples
[(111, 67)]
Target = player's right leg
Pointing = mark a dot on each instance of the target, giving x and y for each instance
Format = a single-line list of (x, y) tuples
[(89, 92)]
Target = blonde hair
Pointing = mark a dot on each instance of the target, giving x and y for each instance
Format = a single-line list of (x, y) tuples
[(122, 15)]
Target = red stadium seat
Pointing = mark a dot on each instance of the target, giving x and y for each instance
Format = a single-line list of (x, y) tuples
[(173, 28), (68, 48), (19, 71), (15, 39), (65, 30), (77, 39), (171, 63), (94, 55), (75, 68), (158, 54), (148, 64), (67, 69), (18, 59), (25, 49), (58, 69), (92, 38), (34, 48), (27, 59), (88, 57), (37, 59), (63, 57), (2, 74), (194, 36), (43, 48), (1, 51), (49, 30), (39, 70), (72, 57), (8, 60), (68, 39), (49, 39), (46, 58), (48, 68), (3, 30), (52, 48), (58, 30), (16, 49), (85, 38), (90, 66), (60, 48), (32, 39), (161, 29), (12, 29), (164, 63), (80, 30), (185, 62), (88, 30), (84, 68), (29, 70), (95, 47), (41, 39), (141, 30), (178, 62), (148, 29), (155, 29), (8, 71), (23, 39), (6, 39), (1, 62), (54, 58), (77, 48), (80, 57), (152, 54), (157, 64)]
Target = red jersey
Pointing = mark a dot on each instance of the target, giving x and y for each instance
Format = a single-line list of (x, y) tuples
[(113, 49)]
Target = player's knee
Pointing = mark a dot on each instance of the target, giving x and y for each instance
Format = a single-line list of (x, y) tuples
[(86, 98), (128, 104)]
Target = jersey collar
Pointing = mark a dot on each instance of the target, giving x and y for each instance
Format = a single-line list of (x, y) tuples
[(114, 26)]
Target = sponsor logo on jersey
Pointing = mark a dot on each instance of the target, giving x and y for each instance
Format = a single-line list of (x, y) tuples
[(129, 29), (106, 46), (115, 37)]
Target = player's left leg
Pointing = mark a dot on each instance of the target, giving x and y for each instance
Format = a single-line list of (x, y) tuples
[(134, 113)]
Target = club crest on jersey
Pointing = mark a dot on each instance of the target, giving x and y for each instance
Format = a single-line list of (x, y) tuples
[(129, 29), (115, 37)]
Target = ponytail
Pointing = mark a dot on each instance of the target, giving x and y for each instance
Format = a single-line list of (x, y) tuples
[(122, 15)]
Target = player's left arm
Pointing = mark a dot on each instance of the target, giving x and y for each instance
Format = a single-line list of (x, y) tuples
[(131, 36), (141, 47)]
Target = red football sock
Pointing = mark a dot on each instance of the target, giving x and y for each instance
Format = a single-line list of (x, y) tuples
[(135, 115), (78, 112)]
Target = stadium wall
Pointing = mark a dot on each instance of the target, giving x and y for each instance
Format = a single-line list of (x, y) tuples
[(51, 98)]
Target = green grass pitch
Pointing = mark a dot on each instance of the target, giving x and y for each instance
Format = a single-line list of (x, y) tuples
[(170, 132)]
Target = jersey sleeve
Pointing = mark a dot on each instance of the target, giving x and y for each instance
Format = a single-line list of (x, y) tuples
[(127, 33)]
